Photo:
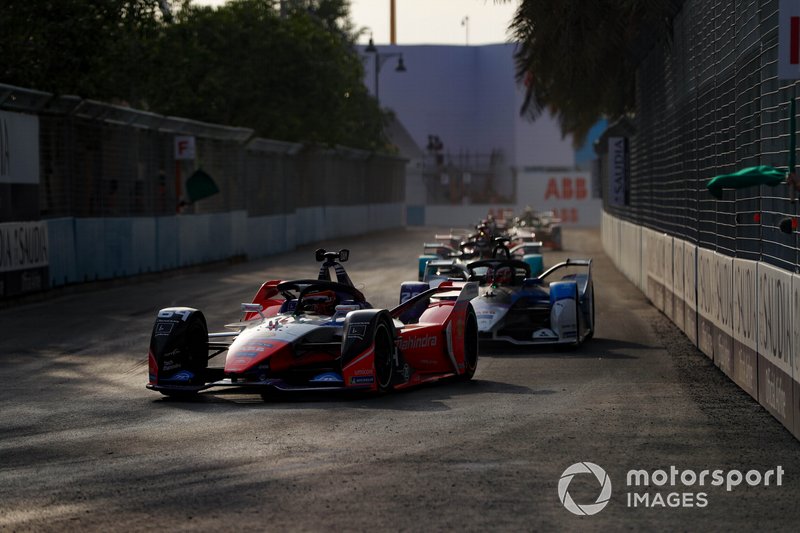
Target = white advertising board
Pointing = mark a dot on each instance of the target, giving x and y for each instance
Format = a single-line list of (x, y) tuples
[(745, 318), (775, 316), (567, 194), (19, 148)]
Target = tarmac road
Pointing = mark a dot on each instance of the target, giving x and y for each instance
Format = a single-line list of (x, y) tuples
[(84, 446)]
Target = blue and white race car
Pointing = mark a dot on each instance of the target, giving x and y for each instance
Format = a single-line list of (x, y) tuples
[(556, 307)]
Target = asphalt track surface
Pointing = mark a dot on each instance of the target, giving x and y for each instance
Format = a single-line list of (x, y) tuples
[(84, 446)]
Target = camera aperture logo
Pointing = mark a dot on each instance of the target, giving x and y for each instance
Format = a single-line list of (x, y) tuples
[(590, 508), (664, 488)]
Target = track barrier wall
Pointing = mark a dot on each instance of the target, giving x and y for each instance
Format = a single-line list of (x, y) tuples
[(110, 188), (740, 313), (712, 97)]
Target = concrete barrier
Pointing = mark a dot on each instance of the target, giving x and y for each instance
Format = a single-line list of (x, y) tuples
[(678, 302), (722, 306), (90, 249), (705, 301), (690, 292), (63, 261), (775, 387), (740, 313), (745, 326), (796, 355)]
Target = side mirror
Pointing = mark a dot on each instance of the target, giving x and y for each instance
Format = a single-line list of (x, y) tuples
[(344, 254)]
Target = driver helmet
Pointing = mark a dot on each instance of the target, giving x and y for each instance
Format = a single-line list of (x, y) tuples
[(320, 302), (503, 276)]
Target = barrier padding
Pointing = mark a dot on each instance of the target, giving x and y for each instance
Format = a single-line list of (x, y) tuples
[(740, 313), (61, 253)]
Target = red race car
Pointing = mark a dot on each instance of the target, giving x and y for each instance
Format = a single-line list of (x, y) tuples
[(319, 334)]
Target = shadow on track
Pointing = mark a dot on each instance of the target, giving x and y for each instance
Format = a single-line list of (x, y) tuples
[(593, 349), (423, 398)]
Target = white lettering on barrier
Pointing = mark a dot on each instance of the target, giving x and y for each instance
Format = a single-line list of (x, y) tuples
[(745, 317), (795, 329), (774, 316), (23, 245), (690, 291), (723, 299), (775, 393), (705, 283), (745, 368)]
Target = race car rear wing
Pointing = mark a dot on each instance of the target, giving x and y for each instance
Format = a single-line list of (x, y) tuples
[(456, 290)]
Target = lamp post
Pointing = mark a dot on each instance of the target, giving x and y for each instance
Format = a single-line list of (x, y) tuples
[(380, 59)]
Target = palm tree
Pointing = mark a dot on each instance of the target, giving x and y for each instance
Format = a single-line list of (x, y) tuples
[(578, 58)]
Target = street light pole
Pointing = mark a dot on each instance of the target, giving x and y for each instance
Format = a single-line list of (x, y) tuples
[(380, 59)]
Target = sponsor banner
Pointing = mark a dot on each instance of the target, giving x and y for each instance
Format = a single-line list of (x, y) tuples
[(24, 281), (706, 285), (745, 316), (569, 195), (795, 357), (655, 268), (745, 368), (23, 245), (723, 351), (690, 291), (617, 171), (722, 299), (705, 335), (19, 148), (795, 329), (774, 333), (775, 391)]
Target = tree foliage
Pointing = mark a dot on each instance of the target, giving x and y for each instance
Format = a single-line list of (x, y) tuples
[(289, 69), (578, 58)]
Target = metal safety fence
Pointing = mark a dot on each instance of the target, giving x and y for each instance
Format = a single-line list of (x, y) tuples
[(103, 160), (709, 102)]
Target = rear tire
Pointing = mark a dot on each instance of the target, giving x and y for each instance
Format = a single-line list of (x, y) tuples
[(383, 358), (470, 346)]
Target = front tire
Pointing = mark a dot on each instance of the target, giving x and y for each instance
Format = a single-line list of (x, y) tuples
[(470, 346), (591, 318), (383, 358)]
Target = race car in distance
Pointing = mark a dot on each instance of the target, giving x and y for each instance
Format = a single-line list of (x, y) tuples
[(554, 308), (542, 226), (440, 270), (319, 334)]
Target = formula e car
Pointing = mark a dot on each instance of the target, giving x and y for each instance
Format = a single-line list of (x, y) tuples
[(542, 226), (554, 308), (319, 334)]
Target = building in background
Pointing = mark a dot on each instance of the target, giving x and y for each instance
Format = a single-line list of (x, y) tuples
[(460, 105)]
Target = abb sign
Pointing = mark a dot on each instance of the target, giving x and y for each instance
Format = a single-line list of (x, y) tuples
[(569, 196), (566, 189)]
